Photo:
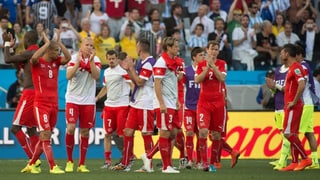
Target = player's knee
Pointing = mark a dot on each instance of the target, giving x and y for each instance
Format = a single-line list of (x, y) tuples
[(189, 133), (15, 129), (216, 135), (128, 132), (31, 131), (71, 128), (84, 132), (203, 133)]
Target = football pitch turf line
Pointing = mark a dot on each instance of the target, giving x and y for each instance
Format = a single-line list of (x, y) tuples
[(245, 169)]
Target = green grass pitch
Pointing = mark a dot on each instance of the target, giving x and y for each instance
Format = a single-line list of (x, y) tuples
[(246, 169)]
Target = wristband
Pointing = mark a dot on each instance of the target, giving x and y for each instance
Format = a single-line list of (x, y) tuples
[(7, 44), (279, 87)]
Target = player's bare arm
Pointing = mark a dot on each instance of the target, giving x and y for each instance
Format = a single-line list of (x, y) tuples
[(40, 52), (66, 55), (95, 71), (127, 64), (8, 57), (219, 75), (200, 77), (72, 70), (102, 93), (158, 91)]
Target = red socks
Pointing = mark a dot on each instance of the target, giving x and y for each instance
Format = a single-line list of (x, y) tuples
[(148, 143), (189, 147), (46, 146), (69, 146), (127, 150), (164, 147), (84, 141), (26, 146), (203, 150), (180, 143)]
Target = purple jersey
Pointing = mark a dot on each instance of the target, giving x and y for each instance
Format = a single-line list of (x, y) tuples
[(192, 89), (279, 78)]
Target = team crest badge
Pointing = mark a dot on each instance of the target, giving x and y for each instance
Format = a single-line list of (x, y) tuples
[(297, 71)]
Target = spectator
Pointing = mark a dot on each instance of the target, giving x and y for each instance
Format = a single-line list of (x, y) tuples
[(86, 30), (40, 29), (316, 79), (243, 43), (154, 36), (103, 42), (221, 37), (193, 6), (216, 11), (15, 10), (287, 37), (115, 12), (47, 15), (278, 25), (128, 42), (255, 18), (139, 5), (156, 4), (19, 32), (267, 47), (265, 96), (15, 90), (132, 20), (86, 6), (4, 28), (69, 36), (310, 36), (234, 17), (175, 22), (305, 11), (203, 19), (182, 47), (198, 39), (154, 14), (73, 12), (97, 17)]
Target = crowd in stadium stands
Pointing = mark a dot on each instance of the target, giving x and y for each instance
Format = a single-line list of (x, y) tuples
[(250, 34)]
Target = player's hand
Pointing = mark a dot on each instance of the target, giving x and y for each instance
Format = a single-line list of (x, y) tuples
[(92, 54), (270, 83), (290, 105), (127, 63), (163, 108), (57, 31), (45, 37), (178, 105), (5, 36)]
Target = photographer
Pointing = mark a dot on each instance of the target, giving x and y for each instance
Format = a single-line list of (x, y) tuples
[(310, 36), (69, 36), (15, 91)]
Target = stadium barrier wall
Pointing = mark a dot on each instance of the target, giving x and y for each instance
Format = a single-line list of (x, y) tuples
[(241, 87), (253, 133)]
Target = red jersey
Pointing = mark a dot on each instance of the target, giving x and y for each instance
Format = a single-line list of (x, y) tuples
[(294, 75), (115, 8), (86, 1), (138, 4), (180, 68), (211, 88), (45, 80)]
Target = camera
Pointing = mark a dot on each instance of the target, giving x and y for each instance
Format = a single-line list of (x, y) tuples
[(309, 26)]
